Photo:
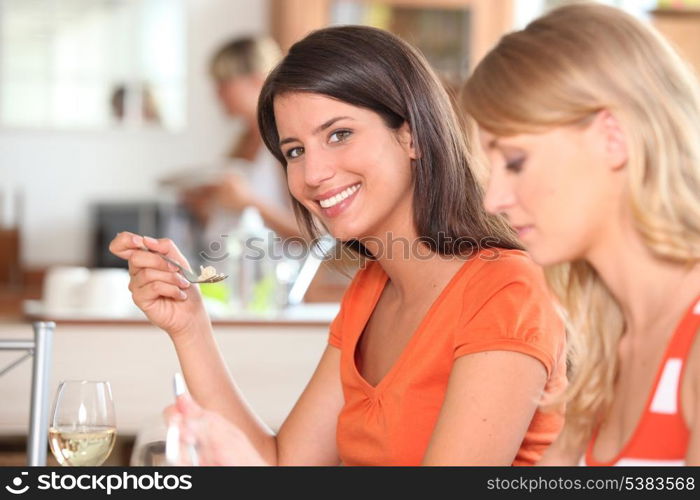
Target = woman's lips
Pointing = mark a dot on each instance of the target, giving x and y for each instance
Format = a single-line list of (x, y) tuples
[(341, 207), (333, 192), (523, 230)]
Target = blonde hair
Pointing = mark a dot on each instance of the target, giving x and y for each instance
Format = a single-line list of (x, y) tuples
[(245, 56), (560, 70)]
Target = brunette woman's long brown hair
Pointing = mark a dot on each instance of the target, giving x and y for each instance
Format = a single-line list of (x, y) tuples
[(373, 69)]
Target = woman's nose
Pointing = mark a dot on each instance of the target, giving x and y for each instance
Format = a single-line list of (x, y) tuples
[(499, 195), (318, 168)]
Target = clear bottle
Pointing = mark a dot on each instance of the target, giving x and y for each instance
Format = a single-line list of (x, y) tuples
[(254, 275)]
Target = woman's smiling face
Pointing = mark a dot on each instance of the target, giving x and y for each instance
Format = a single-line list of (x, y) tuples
[(345, 165)]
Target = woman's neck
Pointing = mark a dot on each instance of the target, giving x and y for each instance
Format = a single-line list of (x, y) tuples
[(650, 291), (411, 266), (248, 145)]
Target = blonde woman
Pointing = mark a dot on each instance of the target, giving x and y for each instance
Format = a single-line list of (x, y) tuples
[(592, 125), (239, 68)]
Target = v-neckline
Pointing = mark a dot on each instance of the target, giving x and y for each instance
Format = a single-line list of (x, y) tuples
[(687, 316), (374, 391)]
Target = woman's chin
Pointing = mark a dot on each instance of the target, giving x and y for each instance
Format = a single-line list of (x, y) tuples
[(344, 237), (345, 232), (546, 257)]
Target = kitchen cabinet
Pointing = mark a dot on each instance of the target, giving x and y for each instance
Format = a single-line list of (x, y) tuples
[(682, 28), (488, 19)]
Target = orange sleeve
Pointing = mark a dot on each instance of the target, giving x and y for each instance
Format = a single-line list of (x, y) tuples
[(510, 309), (334, 335)]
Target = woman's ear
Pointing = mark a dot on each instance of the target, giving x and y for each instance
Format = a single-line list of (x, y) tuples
[(406, 139), (614, 139)]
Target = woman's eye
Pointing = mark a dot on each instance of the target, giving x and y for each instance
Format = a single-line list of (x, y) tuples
[(339, 135), (515, 165), (294, 153)]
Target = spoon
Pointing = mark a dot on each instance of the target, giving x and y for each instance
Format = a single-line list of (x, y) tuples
[(189, 275)]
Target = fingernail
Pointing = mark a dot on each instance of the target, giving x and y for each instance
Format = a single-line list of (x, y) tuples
[(183, 281), (183, 295), (149, 240), (138, 240), (179, 384), (172, 268)]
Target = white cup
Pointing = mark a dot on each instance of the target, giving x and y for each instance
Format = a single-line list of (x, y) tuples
[(106, 293), (63, 289)]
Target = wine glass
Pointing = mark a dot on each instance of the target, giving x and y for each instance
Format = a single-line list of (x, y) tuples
[(160, 443), (83, 426)]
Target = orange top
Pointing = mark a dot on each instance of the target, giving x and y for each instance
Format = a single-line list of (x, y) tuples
[(662, 434), (498, 300)]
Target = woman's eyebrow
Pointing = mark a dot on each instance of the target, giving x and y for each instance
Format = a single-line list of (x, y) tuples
[(320, 128)]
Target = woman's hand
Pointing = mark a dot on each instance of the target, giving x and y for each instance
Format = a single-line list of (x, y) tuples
[(168, 300), (234, 193), (216, 440), (198, 201)]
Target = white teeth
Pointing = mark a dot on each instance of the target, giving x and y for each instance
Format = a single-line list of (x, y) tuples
[(334, 200)]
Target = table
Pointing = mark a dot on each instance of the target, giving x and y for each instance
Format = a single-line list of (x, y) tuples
[(271, 360)]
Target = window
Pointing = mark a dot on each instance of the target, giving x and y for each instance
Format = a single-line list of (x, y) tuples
[(87, 64), (527, 10)]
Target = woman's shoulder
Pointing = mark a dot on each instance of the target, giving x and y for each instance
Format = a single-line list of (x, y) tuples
[(494, 268), (506, 279)]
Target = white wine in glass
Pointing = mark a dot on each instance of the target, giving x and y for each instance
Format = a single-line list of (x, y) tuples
[(83, 426)]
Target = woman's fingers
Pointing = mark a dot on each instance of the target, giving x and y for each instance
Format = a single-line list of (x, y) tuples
[(140, 259), (123, 244), (126, 245), (184, 406), (166, 247), (144, 276), (188, 406), (169, 413), (212, 436), (155, 290)]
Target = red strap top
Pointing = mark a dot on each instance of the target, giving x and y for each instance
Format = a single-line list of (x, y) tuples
[(661, 436)]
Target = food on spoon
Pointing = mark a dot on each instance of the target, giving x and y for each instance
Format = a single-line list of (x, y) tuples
[(206, 273)]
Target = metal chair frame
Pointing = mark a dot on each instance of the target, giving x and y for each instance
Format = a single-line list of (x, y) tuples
[(41, 349)]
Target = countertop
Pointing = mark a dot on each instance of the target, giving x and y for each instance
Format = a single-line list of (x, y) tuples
[(317, 313)]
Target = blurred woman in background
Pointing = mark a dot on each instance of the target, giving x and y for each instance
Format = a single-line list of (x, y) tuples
[(238, 69), (592, 125)]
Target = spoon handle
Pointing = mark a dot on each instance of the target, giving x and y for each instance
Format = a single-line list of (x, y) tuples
[(168, 260)]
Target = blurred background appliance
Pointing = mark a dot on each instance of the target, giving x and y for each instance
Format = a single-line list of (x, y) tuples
[(148, 218)]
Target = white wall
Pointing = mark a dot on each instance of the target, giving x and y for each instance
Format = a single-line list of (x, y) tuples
[(62, 172)]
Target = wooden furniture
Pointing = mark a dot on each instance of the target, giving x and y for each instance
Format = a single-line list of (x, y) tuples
[(682, 28), (490, 19)]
